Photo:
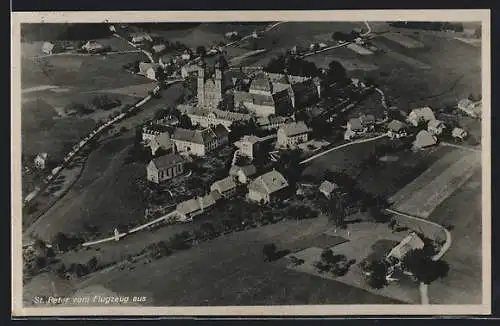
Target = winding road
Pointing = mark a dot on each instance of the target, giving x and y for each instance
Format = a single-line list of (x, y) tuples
[(423, 288)]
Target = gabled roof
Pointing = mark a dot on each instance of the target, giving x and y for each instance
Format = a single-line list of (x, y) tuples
[(47, 46), (144, 66), (355, 124), (268, 183), (155, 127), (159, 47), (220, 131), (367, 119), (328, 187), (411, 242), (166, 161), (395, 125), (248, 170), (225, 184), (261, 83), (199, 203), (250, 139), (294, 128), (435, 124), (194, 136), (425, 113), (424, 139)]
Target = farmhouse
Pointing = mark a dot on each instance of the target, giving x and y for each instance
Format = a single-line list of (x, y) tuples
[(148, 70), (226, 187), (354, 129), (200, 142), (93, 47), (196, 206), (367, 121), (424, 139), (436, 127), (48, 48), (419, 115), (327, 188), (396, 129), (41, 160), (470, 108), (266, 187), (168, 120), (243, 174), (292, 134), (165, 168), (411, 242), (140, 38), (459, 133)]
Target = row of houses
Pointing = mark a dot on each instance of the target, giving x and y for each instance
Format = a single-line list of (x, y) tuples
[(198, 142)]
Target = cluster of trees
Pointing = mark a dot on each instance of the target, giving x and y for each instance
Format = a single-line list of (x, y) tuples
[(292, 65), (271, 252), (179, 241), (338, 265), (104, 102), (38, 259), (63, 242)]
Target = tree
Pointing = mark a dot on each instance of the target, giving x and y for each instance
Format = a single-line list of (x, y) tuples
[(289, 165), (185, 121), (181, 241), (334, 74), (201, 51), (269, 251), (338, 36), (375, 273), (423, 267)]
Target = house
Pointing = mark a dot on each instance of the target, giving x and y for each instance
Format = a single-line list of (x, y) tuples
[(168, 120), (196, 206), (41, 160), (188, 70), (93, 47), (186, 56), (322, 45), (273, 122), (424, 139), (164, 168), (163, 142), (200, 142), (248, 145), (470, 107), (226, 187), (48, 48), (396, 129), (148, 70), (158, 48), (459, 133), (367, 120), (436, 127), (292, 134), (354, 129), (140, 38), (243, 174), (424, 114), (231, 35), (151, 131), (267, 186), (409, 243), (327, 188)]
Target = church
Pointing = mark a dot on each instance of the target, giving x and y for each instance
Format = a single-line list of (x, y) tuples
[(264, 94)]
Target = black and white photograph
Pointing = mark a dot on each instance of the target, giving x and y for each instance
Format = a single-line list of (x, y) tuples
[(261, 164)]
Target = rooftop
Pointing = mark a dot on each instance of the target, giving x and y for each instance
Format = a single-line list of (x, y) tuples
[(294, 128), (166, 161), (269, 183)]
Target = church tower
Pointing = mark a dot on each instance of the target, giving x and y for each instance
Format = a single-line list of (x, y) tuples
[(201, 85)]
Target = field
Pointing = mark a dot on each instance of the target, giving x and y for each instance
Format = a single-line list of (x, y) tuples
[(322, 61), (383, 178), (366, 240), (214, 273), (425, 193), (404, 40), (462, 210), (104, 195)]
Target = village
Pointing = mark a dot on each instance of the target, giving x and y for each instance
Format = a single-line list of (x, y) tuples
[(237, 154)]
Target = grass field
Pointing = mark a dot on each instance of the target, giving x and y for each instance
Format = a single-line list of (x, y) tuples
[(104, 196), (215, 273), (404, 40), (425, 193), (462, 210)]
